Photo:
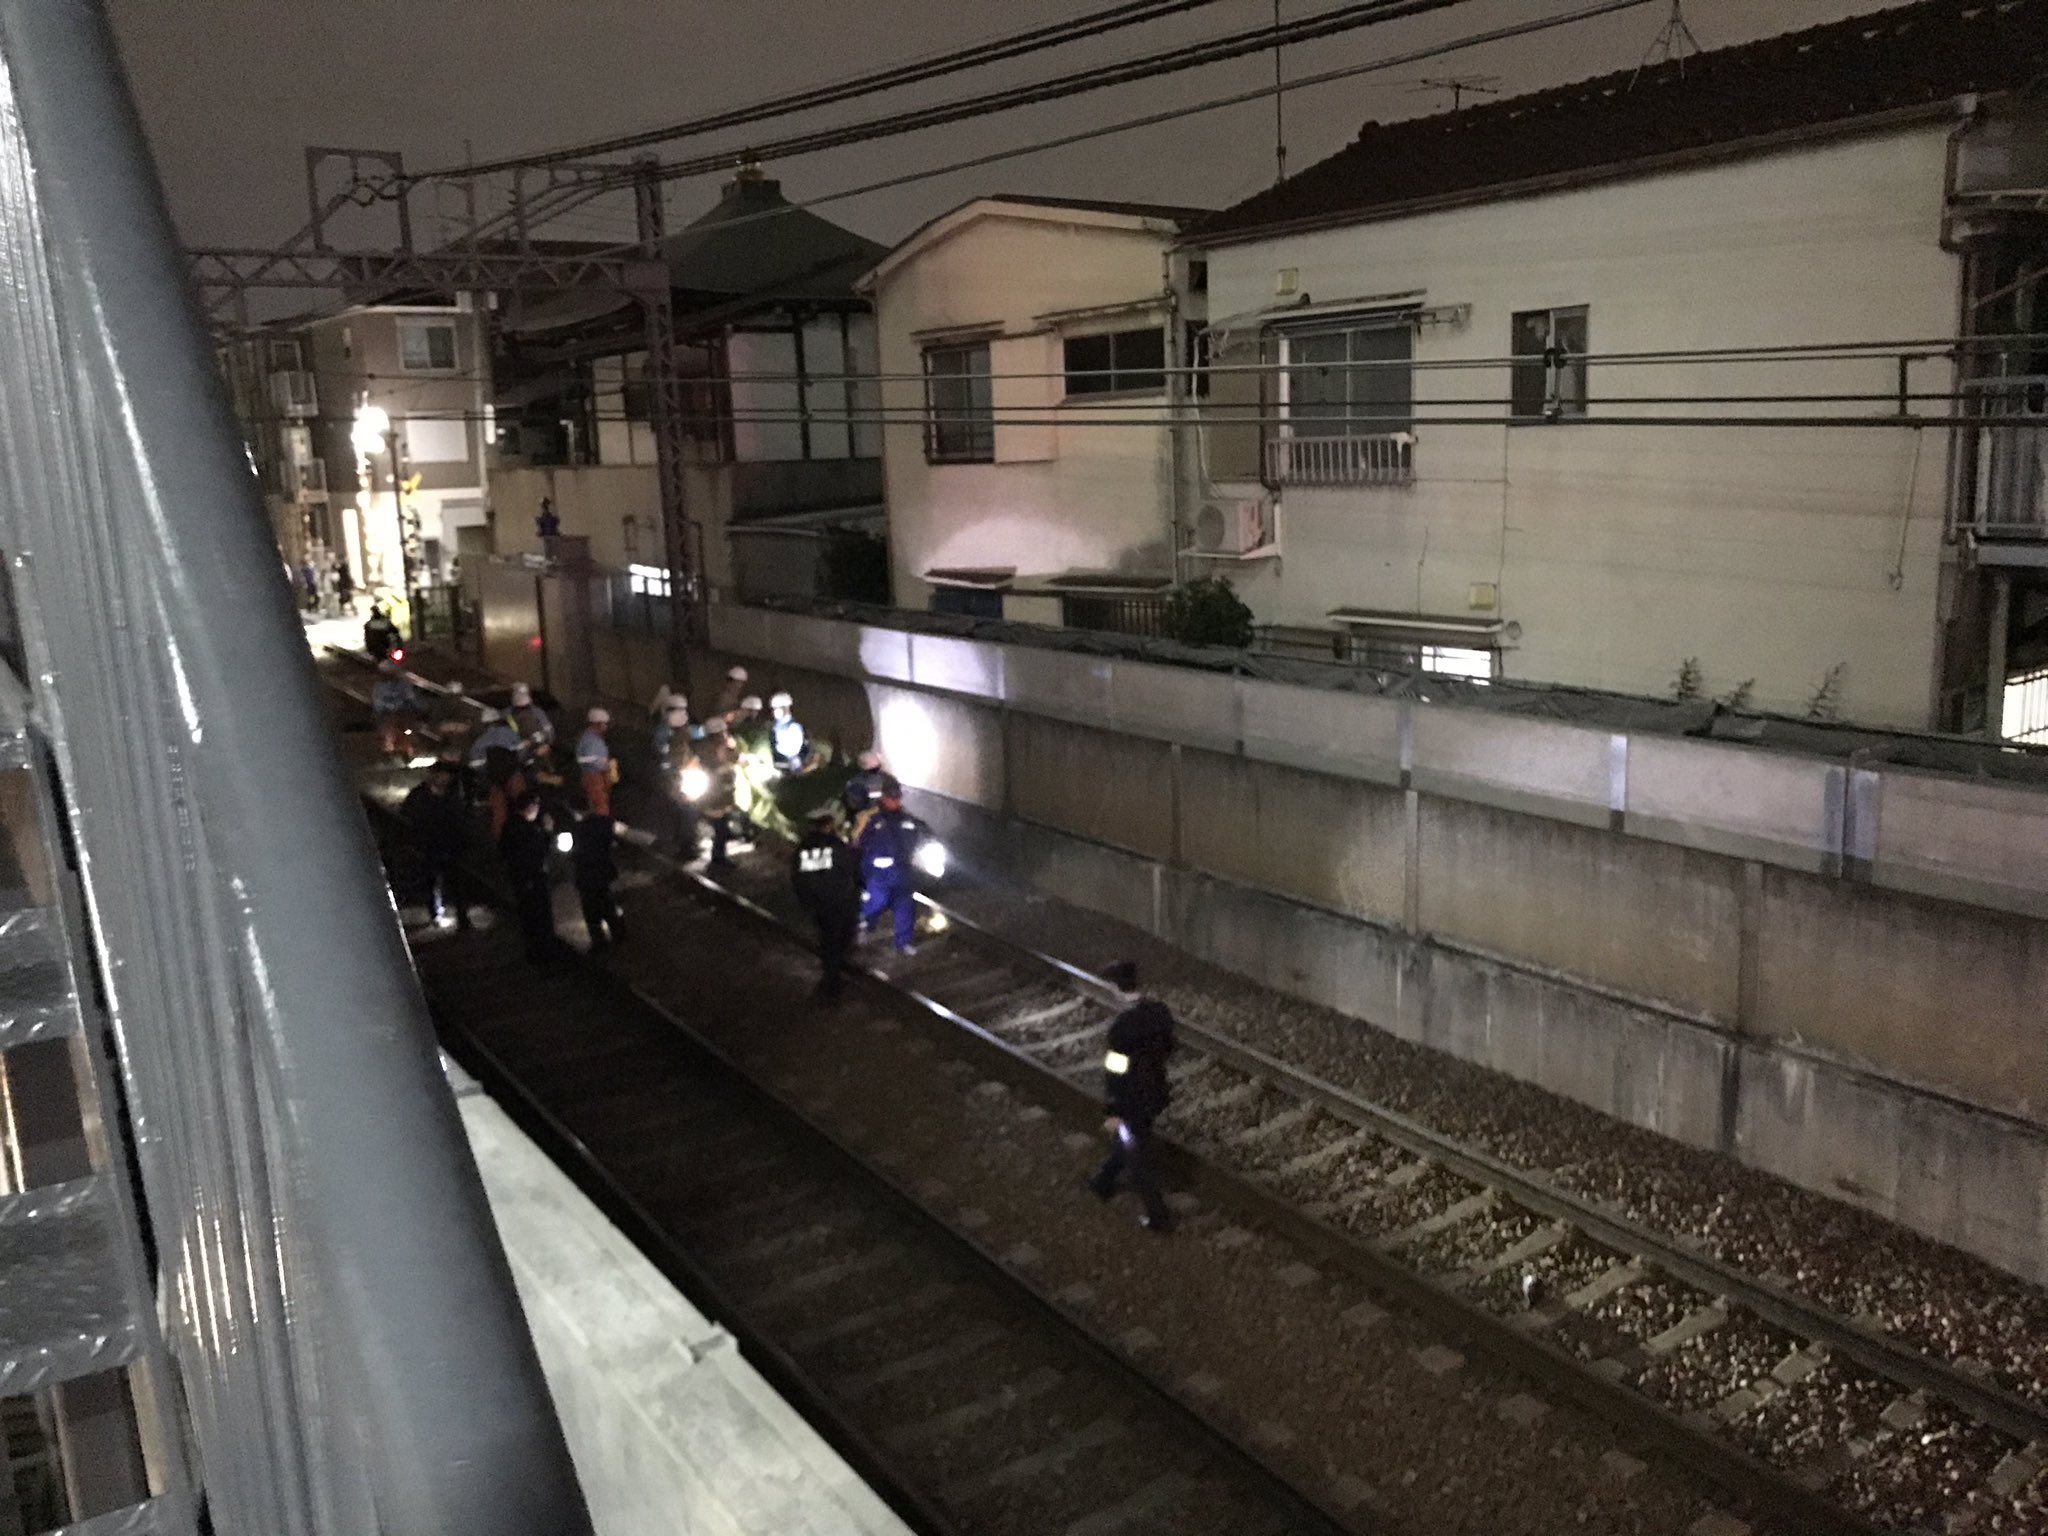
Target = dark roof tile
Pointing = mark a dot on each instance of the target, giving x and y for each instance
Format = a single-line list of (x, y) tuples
[(1883, 61)]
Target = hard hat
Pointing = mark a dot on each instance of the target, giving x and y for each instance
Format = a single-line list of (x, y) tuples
[(870, 760), (781, 701), (715, 726), (751, 701), (599, 715), (823, 814), (737, 674), (491, 717), (521, 695)]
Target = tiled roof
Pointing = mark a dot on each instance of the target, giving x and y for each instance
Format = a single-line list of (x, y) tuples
[(1911, 56)]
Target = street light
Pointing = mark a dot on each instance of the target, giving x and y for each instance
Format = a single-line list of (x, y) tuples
[(369, 435)]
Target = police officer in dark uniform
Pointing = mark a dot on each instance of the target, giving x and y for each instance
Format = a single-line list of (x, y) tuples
[(1135, 1092), (592, 859), (524, 846), (826, 875)]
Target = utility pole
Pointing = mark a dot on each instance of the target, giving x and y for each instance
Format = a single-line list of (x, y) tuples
[(1279, 105), (665, 410)]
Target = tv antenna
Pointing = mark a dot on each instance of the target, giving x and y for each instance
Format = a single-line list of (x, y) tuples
[(1672, 43), (1459, 85)]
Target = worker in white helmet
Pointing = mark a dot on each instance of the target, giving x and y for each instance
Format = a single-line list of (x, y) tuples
[(594, 760), (734, 690), (530, 720), (787, 742)]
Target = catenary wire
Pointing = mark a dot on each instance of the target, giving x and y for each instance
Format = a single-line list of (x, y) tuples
[(893, 77)]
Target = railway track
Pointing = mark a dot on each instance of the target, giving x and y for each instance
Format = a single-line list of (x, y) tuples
[(1783, 1402), (1792, 1409), (972, 1402)]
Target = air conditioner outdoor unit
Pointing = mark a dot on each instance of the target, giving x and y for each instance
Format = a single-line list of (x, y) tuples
[(1233, 527)]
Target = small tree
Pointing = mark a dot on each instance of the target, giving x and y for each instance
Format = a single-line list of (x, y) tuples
[(1739, 696), (1206, 611), (1826, 703), (1691, 683)]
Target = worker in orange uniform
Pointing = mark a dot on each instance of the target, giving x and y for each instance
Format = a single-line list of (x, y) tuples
[(595, 762)]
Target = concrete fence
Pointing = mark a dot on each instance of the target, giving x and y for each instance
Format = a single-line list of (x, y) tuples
[(1834, 973)]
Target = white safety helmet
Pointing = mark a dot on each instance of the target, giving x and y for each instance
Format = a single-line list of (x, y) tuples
[(870, 760), (715, 726), (736, 674), (782, 701), (599, 716), (521, 696), (751, 702)]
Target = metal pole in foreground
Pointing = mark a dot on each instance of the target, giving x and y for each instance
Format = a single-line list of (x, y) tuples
[(411, 1374)]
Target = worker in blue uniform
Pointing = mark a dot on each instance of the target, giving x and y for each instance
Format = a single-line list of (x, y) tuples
[(787, 741), (887, 845), (1135, 1092)]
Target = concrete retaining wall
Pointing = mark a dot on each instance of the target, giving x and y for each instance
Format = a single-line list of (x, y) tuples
[(671, 1430), (1834, 973)]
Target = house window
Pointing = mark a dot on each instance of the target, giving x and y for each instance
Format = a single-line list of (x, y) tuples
[(647, 580), (426, 346), (1199, 354), (1458, 661), (960, 422), (1353, 382), (1550, 364), (1117, 362), (968, 602)]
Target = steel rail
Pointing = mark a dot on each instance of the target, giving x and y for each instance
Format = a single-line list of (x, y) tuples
[(1640, 1419), (2008, 1412), (1309, 1516)]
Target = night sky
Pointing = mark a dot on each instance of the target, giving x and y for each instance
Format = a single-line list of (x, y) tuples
[(231, 91)]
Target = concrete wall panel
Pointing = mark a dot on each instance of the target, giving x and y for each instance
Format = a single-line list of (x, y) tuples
[(940, 744), (885, 653), (1324, 840), (1349, 734), (1649, 920), (972, 667), (1729, 800), (1968, 842), (1922, 991), (1175, 703), (1057, 684), (825, 645), (1109, 788), (1533, 765)]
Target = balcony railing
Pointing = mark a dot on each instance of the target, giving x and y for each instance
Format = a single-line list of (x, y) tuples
[(2010, 497), (1385, 458)]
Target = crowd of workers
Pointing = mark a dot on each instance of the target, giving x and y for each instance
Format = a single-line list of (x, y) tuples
[(852, 870)]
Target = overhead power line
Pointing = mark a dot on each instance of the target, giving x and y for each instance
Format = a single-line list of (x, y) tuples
[(998, 50), (1237, 45)]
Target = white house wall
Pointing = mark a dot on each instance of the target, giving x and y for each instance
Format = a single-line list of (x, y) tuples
[(1770, 554), (1072, 497)]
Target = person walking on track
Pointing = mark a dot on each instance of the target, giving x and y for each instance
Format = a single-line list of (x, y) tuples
[(1135, 1093), (440, 826), (596, 869), (827, 880), (524, 847)]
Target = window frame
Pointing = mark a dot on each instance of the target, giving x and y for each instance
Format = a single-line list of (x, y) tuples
[(1139, 379), (1381, 423), (1548, 368), (977, 422), (411, 326)]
